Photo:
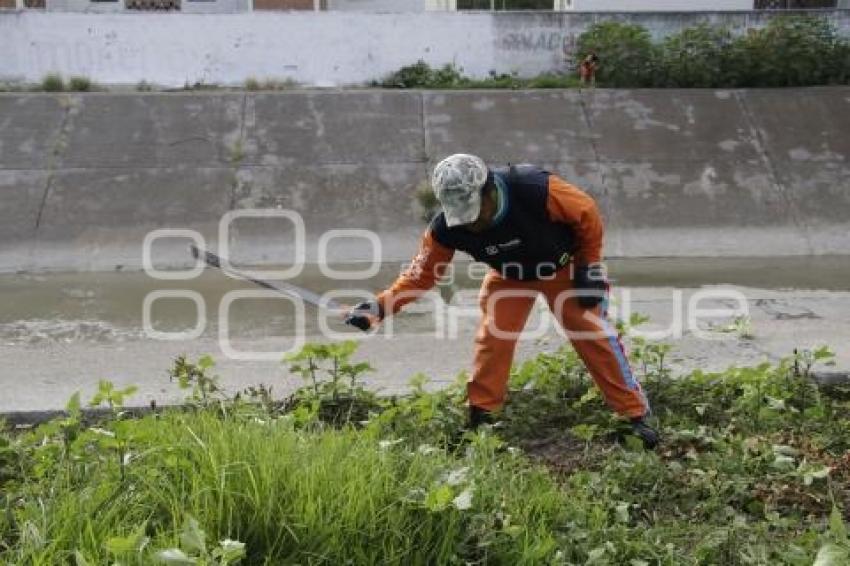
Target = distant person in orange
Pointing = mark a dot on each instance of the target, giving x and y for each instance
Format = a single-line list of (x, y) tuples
[(541, 236), (587, 69)]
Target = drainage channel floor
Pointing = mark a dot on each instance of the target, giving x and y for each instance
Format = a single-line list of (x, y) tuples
[(62, 332)]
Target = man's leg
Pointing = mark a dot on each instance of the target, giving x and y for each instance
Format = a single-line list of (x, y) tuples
[(596, 341), (505, 306)]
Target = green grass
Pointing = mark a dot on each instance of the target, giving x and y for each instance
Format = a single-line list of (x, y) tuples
[(80, 84), (52, 83), (291, 496), (421, 75), (12, 86), (753, 469), (253, 84)]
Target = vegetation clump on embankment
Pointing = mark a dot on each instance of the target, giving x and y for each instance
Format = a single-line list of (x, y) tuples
[(754, 469), (789, 51)]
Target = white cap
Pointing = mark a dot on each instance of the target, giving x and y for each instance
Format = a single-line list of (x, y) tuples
[(457, 181)]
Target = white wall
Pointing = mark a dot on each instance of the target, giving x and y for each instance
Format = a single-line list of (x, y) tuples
[(218, 6), (84, 6), (323, 48), (443, 5), (377, 5), (187, 6), (660, 5), (313, 48)]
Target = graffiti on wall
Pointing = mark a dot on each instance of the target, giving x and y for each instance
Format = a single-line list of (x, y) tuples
[(560, 43)]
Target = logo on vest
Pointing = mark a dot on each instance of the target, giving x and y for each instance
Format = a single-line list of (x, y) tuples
[(510, 244), (494, 249)]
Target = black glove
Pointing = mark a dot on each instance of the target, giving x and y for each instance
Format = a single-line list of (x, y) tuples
[(590, 283), (362, 315)]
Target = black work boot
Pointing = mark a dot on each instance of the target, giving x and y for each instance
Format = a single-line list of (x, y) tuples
[(459, 439), (478, 417), (646, 433)]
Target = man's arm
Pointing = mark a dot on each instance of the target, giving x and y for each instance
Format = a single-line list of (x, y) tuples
[(427, 266), (568, 204)]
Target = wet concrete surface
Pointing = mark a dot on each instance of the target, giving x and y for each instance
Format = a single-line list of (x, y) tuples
[(61, 333)]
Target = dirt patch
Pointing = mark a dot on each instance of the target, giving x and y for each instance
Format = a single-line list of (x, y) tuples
[(564, 453)]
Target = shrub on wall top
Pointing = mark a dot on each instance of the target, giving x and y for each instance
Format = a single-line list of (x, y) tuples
[(695, 57), (625, 51), (80, 84), (421, 75), (52, 82), (791, 50)]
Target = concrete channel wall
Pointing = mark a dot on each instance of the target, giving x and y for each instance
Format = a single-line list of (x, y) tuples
[(84, 177), (315, 49)]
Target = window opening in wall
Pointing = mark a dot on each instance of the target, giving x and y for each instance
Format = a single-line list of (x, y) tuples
[(793, 4), (153, 5), (505, 5)]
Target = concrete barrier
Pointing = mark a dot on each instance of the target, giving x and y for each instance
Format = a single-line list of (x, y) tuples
[(84, 177)]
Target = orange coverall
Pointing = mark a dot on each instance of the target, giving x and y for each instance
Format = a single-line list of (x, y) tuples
[(602, 353)]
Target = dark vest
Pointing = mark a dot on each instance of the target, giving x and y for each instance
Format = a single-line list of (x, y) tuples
[(525, 245)]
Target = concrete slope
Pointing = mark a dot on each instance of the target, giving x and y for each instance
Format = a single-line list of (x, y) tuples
[(84, 177)]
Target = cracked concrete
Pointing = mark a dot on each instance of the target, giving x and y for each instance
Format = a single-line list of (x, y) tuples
[(113, 167), (759, 141)]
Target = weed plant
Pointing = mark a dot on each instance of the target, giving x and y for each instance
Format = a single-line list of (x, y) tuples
[(52, 83), (791, 50), (80, 84), (754, 468), (422, 75)]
